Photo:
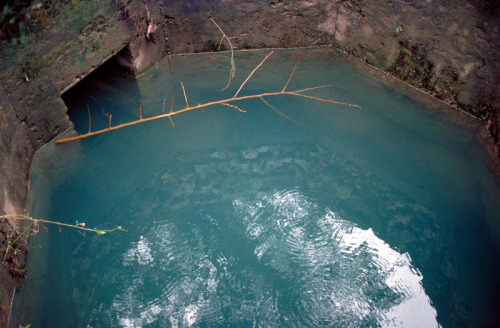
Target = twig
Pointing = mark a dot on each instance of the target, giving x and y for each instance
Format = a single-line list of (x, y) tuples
[(171, 109), (277, 111), (249, 76), (90, 119), (325, 100), (291, 75), (232, 72), (314, 88), (185, 97), (236, 107)]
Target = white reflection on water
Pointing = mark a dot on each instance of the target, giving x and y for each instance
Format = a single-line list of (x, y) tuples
[(344, 273), (334, 273), (140, 253)]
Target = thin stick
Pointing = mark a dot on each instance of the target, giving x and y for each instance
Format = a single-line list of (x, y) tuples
[(277, 111), (293, 72), (171, 109), (140, 112), (220, 43), (185, 97), (317, 87), (325, 100), (110, 121), (236, 107), (90, 119), (232, 72), (164, 100), (249, 76)]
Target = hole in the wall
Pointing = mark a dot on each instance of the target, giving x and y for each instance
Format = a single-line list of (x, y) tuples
[(111, 89)]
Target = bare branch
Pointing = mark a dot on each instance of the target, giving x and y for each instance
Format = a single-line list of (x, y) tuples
[(224, 102), (249, 76), (236, 107), (218, 102), (232, 72), (185, 97), (291, 75), (171, 109), (277, 111), (313, 88), (325, 100)]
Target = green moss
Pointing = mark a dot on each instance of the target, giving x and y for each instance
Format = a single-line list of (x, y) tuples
[(23, 40), (32, 65), (446, 86), (83, 56), (412, 66), (381, 61)]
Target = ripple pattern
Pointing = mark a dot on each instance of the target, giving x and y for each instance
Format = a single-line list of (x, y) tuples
[(345, 276), (308, 267)]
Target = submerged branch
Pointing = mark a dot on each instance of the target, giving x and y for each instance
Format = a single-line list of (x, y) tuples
[(185, 97), (277, 111), (325, 100), (90, 118)]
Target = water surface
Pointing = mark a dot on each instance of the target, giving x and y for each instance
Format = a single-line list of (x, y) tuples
[(330, 216)]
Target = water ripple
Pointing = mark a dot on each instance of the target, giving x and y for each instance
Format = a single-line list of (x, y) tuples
[(344, 274), (306, 267)]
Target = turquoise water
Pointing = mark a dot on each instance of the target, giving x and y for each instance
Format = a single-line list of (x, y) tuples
[(381, 216)]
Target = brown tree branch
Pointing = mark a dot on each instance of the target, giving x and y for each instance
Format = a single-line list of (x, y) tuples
[(224, 102)]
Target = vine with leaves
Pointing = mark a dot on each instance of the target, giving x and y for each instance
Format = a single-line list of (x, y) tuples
[(16, 242)]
